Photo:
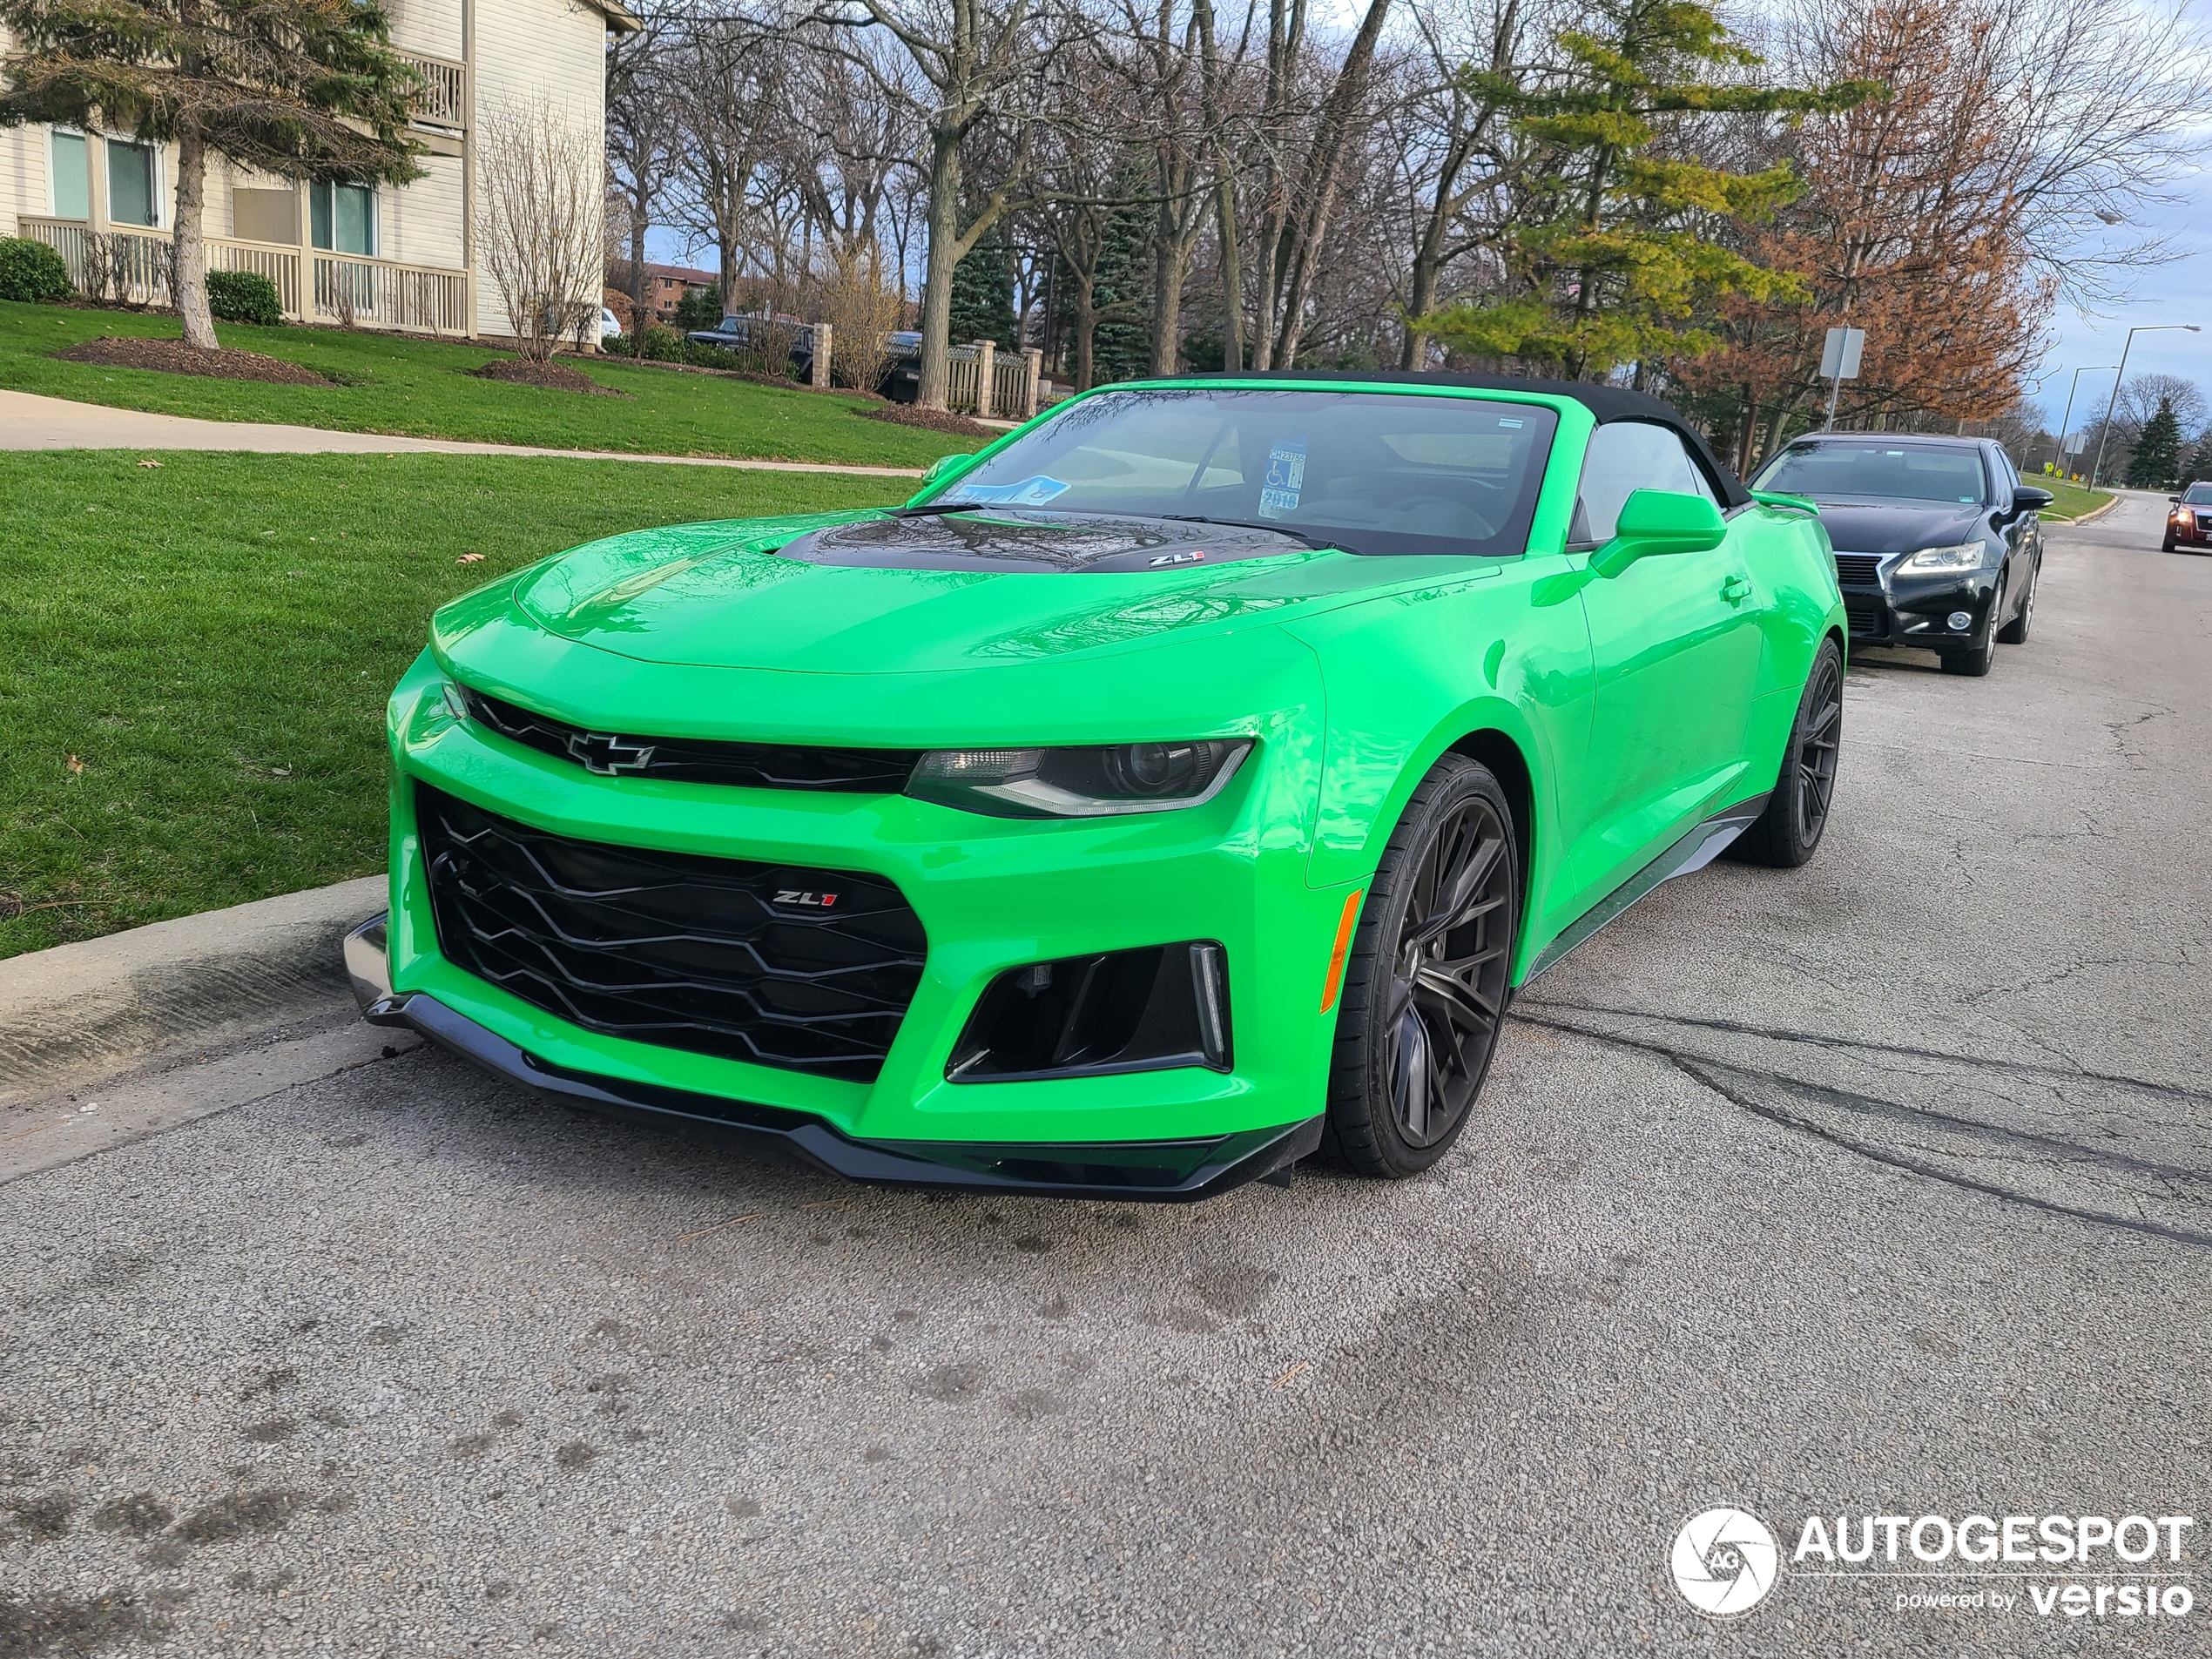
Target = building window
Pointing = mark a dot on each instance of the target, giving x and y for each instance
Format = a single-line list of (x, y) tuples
[(345, 218), (133, 196), (73, 176)]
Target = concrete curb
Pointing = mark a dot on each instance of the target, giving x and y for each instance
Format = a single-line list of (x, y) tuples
[(78, 1014), (2094, 513)]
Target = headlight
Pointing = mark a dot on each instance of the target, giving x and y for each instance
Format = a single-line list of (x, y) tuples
[(1941, 561), (1096, 782)]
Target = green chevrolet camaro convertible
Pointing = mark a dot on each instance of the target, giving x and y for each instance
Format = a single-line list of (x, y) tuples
[(1179, 787)]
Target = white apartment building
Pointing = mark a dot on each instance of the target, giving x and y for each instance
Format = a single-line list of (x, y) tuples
[(393, 257)]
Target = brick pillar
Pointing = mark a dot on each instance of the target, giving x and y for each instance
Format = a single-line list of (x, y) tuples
[(819, 380), (984, 350), (1034, 360)]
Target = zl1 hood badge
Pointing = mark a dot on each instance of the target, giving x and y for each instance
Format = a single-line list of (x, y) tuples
[(1191, 557)]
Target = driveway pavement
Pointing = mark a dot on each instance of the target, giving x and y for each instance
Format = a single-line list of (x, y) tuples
[(29, 421), (1879, 1188)]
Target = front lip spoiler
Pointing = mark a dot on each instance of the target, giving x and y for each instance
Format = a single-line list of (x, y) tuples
[(1141, 1171)]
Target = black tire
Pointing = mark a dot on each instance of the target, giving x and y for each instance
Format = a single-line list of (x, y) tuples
[(2166, 546), (1418, 1026), (2015, 631), (1785, 835), (1974, 661)]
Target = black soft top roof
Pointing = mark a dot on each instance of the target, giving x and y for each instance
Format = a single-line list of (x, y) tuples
[(1606, 403)]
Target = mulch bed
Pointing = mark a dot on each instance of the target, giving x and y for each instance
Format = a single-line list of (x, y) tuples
[(958, 426), (554, 377), (175, 357)]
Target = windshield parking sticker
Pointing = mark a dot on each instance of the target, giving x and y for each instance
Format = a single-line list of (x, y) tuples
[(1030, 492), (1279, 491)]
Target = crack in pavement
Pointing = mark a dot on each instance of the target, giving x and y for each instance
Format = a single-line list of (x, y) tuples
[(1708, 1073)]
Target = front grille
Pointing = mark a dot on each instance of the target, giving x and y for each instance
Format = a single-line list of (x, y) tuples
[(809, 970), (693, 761), (1865, 616), (1862, 568)]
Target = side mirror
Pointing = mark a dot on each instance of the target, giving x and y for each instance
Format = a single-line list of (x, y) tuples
[(942, 465), (1656, 522), (2028, 499)]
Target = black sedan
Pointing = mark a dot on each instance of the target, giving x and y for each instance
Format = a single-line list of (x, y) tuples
[(1937, 544), (2188, 521)]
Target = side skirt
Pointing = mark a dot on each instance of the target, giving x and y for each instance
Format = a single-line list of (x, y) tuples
[(1693, 851)]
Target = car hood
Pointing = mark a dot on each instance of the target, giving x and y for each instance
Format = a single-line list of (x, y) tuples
[(875, 593), (1898, 527)]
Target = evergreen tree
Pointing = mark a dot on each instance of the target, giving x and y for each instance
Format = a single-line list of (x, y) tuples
[(1123, 347), (1611, 256), (982, 301), (2199, 468), (2157, 455), (302, 89)]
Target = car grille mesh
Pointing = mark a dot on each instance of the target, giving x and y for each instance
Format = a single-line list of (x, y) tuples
[(757, 765), (1866, 616), (807, 970), (1862, 568)]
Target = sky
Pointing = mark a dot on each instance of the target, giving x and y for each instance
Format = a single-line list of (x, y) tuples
[(2179, 290)]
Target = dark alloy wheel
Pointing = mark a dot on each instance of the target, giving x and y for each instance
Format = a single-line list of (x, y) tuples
[(1425, 986), (1797, 813)]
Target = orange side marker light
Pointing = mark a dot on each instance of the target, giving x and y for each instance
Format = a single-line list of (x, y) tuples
[(1345, 925)]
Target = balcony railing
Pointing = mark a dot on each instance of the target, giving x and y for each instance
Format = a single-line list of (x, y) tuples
[(444, 100), (132, 266)]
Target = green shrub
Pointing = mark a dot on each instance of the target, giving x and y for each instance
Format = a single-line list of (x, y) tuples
[(697, 309), (660, 343), (31, 270), (244, 296)]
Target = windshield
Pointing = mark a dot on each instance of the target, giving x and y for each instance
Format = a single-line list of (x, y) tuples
[(1871, 471), (1369, 472), (2197, 494)]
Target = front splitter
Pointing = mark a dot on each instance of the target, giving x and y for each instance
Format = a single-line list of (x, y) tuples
[(1169, 1171)]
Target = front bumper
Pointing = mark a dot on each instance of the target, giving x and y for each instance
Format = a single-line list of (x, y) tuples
[(1914, 613), (2188, 529), (1147, 1171)]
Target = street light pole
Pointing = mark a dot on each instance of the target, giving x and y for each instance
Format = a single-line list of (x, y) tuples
[(2066, 426), (2105, 436)]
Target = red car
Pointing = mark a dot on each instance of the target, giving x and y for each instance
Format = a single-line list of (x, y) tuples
[(2190, 524)]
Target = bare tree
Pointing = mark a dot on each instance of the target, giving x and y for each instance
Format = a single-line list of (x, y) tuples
[(645, 140), (540, 220)]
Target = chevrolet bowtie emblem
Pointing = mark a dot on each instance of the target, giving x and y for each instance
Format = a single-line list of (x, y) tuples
[(606, 755)]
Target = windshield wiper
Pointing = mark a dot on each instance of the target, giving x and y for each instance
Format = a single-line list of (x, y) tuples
[(1313, 542), (929, 507)]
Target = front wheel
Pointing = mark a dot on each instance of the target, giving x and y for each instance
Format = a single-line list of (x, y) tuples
[(1425, 985), (1785, 834), (2015, 631)]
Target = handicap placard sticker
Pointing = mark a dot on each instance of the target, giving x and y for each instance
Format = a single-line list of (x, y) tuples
[(1286, 477), (1030, 492)]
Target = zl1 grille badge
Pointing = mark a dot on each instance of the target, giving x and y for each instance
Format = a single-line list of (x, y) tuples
[(606, 755), (813, 901)]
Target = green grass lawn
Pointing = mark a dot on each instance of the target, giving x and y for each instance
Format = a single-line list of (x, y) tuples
[(421, 388), (196, 656), (2072, 500)]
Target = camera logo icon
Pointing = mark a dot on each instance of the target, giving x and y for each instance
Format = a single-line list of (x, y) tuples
[(1724, 1562)]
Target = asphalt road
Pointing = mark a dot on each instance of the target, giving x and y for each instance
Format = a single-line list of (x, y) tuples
[(1879, 1187)]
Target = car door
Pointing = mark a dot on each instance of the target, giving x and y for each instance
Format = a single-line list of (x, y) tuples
[(2022, 530), (1675, 641)]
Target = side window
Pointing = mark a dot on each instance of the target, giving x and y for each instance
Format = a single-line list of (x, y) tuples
[(1623, 457)]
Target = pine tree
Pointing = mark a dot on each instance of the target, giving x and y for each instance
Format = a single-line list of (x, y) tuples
[(1612, 257), (982, 301), (2157, 455), (2199, 469), (301, 89), (1124, 347)]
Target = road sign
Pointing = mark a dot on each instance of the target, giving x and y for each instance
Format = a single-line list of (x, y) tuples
[(1840, 362), (1839, 357)]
